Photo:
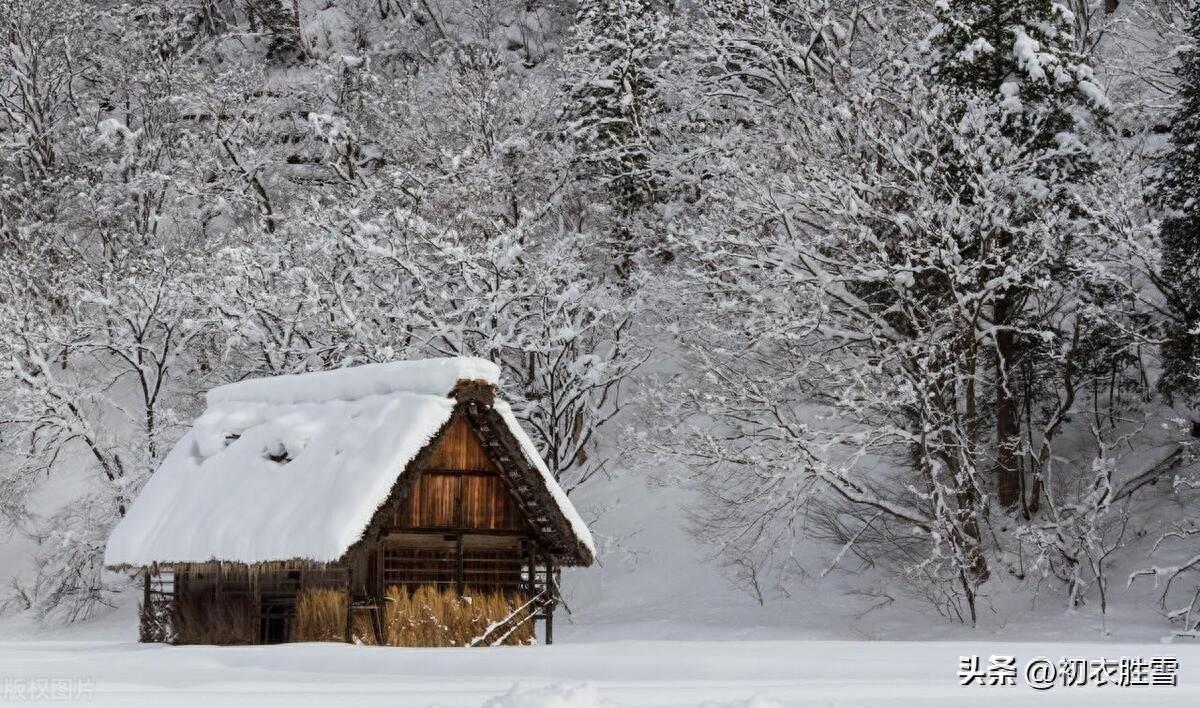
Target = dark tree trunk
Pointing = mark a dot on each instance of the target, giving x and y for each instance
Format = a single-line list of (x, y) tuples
[(1008, 421)]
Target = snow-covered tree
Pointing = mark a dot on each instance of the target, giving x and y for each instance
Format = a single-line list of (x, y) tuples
[(1022, 55), (613, 97), (934, 255), (1178, 191), (1179, 583), (280, 20), (399, 286), (613, 94), (106, 290), (45, 53)]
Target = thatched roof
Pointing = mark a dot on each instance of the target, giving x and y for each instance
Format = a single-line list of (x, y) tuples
[(300, 467)]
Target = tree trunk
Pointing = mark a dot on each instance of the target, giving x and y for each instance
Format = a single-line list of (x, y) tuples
[(1008, 421)]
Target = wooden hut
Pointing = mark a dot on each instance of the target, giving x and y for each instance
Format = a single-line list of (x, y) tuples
[(343, 496)]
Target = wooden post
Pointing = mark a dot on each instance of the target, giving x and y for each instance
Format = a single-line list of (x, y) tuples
[(531, 553), (142, 621), (178, 589), (459, 581), (380, 586), (256, 599), (531, 585), (550, 602), (349, 605)]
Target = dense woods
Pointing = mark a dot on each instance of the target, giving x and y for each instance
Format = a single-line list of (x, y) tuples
[(914, 280)]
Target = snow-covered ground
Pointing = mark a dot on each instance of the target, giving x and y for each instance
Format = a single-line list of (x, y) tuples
[(623, 673)]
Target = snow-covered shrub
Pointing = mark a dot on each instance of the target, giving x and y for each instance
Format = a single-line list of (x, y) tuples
[(1179, 598)]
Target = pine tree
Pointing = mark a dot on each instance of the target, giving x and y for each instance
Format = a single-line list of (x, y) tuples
[(1178, 191), (612, 94), (281, 19), (1020, 53)]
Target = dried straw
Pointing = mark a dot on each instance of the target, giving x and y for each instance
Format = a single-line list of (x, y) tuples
[(429, 617), (201, 618), (320, 616)]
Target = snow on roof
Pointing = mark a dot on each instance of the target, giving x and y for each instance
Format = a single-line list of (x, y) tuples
[(429, 376), (294, 467), (582, 533)]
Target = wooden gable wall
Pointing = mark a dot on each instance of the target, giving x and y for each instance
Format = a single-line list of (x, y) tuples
[(460, 488)]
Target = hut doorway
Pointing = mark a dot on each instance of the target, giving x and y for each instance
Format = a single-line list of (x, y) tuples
[(275, 622)]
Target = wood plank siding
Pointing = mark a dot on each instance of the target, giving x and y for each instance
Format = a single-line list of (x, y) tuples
[(460, 489), (460, 449)]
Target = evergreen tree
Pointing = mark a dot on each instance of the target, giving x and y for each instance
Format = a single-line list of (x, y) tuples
[(1178, 190), (1020, 53), (281, 20), (612, 95)]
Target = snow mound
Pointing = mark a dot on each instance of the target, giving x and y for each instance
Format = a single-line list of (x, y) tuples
[(584, 695)]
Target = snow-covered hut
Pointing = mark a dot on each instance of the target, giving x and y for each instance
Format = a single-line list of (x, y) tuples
[(354, 482)]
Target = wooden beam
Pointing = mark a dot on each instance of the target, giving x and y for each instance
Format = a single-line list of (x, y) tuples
[(145, 603), (550, 601), (349, 606), (458, 473), (401, 487), (380, 588), (514, 467), (532, 558), (458, 570), (454, 531)]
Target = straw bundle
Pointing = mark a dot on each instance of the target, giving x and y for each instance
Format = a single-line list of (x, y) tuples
[(429, 617), (320, 616)]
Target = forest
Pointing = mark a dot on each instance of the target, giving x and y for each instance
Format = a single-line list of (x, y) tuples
[(915, 281)]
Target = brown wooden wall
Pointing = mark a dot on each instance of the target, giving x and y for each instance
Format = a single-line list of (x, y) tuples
[(480, 568), (460, 488), (459, 449)]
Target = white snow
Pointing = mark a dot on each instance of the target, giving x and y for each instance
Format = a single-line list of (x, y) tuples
[(112, 131), (429, 376), (973, 50), (763, 674), (218, 497), (1095, 94), (294, 467), (1064, 12), (1011, 90), (1026, 50), (556, 491)]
